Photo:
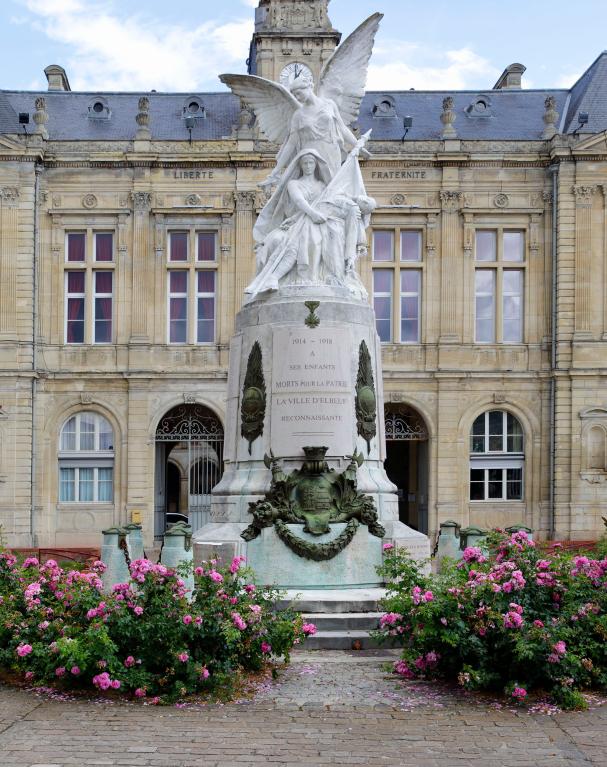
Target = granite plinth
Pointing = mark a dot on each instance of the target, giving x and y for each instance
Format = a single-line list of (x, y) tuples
[(354, 567)]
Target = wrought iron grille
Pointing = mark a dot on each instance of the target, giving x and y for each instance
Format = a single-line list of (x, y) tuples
[(191, 438), (405, 425)]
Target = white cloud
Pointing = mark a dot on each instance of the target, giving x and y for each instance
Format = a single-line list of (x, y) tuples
[(566, 81), (399, 66), (107, 51), (250, 3)]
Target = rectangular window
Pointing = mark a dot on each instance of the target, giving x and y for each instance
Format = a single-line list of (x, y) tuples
[(484, 305), (74, 288), (206, 246), (86, 484), (411, 246), (501, 483), (382, 303), (67, 485), (486, 245), (205, 307), (178, 246), (410, 300), (104, 246), (512, 306), (76, 246), (103, 307), (514, 246), (383, 245), (178, 307)]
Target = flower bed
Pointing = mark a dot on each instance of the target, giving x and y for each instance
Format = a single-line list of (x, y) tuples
[(509, 618), (146, 638)]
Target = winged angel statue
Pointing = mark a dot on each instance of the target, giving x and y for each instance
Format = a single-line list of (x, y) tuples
[(312, 229)]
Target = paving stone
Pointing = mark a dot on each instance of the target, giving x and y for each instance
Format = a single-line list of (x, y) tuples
[(327, 708)]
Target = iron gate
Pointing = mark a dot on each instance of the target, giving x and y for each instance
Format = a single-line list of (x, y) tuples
[(189, 437)]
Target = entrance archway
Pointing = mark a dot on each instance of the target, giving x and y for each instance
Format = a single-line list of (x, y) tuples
[(189, 463), (407, 463)]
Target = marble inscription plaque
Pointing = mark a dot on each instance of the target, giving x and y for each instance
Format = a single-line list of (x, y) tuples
[(312, 391)]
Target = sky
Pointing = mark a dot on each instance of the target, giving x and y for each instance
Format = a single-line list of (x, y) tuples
[(181, 45)]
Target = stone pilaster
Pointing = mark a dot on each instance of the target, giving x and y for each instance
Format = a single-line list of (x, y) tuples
[(583, 258), (245, 202), (141, 266), (9, 241), (450, 264)]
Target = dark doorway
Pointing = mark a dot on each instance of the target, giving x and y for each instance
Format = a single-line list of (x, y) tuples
[(173, 489), (407, 464)]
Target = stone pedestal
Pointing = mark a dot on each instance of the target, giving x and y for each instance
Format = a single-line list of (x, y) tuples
[(310, 360)]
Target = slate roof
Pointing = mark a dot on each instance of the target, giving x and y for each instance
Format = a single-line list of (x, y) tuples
[(511, 114)]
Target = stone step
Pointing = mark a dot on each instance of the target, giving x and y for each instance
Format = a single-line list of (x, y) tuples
[(364, 600), (341, 640), (344, 621)]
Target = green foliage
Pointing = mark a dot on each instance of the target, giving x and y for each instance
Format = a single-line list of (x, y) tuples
[(508, 617), (149, 637)]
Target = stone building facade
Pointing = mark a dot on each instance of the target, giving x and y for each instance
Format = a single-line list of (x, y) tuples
[(125, 246)]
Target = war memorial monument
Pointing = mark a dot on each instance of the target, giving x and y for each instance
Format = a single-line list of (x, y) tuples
[(304, 494)]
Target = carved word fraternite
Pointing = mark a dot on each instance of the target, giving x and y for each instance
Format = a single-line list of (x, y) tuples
[(316, 497)]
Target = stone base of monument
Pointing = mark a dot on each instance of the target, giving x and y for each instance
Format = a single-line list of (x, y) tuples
[(344, 619)]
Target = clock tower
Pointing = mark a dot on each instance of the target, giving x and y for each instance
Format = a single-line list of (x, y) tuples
[(292, 38)]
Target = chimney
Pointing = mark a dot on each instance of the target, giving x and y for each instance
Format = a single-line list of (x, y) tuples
[(510, 79), (57, 78)]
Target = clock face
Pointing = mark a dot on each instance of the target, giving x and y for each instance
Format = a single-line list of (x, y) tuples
[(295, 71)]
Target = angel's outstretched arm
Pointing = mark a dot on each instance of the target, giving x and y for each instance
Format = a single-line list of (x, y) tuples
[(286, 153)]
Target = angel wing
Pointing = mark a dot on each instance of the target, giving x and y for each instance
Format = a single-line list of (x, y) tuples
[(344, 75), (272, 103)]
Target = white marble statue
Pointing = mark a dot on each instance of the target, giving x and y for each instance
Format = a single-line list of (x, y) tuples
[(311, 231)]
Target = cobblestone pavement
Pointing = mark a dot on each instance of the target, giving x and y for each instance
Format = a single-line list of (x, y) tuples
[(327, 708)]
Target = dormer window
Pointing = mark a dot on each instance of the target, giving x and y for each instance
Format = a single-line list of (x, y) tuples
[(193, 107), (384, 107), (480, 107), (99, 109)]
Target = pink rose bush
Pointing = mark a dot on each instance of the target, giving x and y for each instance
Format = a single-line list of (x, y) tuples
[(148, 638), (506, 617)]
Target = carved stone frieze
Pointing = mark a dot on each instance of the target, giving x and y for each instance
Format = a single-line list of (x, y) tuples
[(141, 200), (89, 201), (245, 200), (398, 199), (193, 199), (583, 194), (501, 200), (450, 200), (9, 195)]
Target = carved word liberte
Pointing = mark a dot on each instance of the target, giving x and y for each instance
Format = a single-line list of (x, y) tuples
[(193, 174)]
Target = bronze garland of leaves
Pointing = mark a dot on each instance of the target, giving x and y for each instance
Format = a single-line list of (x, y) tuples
[(314, 496), (318, 552), (366, 403), (253, 405)]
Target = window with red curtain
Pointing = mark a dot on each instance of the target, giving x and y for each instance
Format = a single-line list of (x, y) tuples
[(206, 246), (104, 246), (178, 250), (103, 307), (74, 321), (178, 307), (76, 246)]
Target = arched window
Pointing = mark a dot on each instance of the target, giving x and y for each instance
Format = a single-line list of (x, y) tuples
[(86, 460), (496, 457)]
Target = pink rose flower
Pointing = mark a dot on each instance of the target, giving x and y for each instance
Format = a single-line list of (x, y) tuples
[(205, 674), (387, 546), (115, 684), (215, 576), (519, 693), (130, 661), (29, 675), (74, 670), (23, 650), (265, 647), (187, 619), (183, 657), (140, 692), (60, 671), (308, 629), (138, 610)]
